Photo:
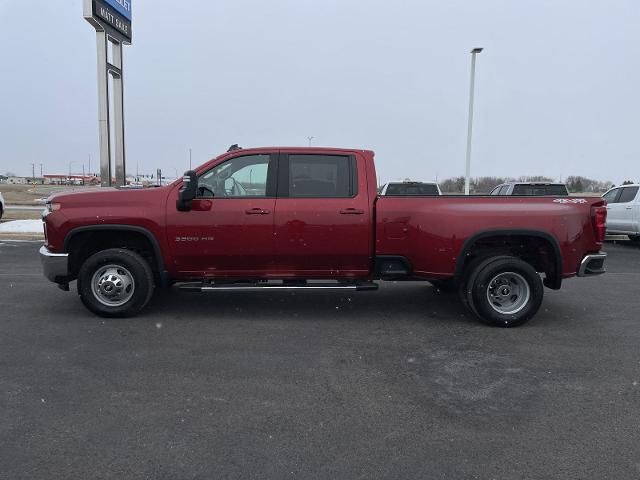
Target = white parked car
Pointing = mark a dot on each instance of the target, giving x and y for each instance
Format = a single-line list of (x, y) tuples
[(1, 205), (623, 215), (403, 189)]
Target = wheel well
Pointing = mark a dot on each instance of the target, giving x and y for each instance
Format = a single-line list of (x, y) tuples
[(537, 251), (83, 244)]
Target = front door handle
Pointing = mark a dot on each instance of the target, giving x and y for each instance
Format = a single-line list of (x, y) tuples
[(628, 208), (257, 211), (351, 211)]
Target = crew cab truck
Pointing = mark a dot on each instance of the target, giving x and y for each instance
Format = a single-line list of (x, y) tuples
[(623, 216), (310, 218)]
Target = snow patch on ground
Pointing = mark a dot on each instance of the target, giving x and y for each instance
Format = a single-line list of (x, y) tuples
[(22, 226)]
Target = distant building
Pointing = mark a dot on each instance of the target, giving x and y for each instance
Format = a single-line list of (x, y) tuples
[(17, 181), (65, 179)]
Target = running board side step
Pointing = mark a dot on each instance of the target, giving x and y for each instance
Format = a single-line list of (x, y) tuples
[(252, 287)]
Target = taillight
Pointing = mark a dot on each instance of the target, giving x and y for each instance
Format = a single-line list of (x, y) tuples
[(599, 222)]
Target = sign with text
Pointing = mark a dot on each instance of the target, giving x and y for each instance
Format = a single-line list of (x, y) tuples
[(123, 7), (115, 14)]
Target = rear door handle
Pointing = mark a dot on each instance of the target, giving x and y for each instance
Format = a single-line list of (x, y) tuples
[(351, 211), (257, 211), (628, 208)]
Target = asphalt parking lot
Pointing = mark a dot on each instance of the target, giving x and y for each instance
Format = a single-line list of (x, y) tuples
[(400, 383)]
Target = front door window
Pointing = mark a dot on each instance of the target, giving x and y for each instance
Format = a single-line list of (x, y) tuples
[(239, 177)]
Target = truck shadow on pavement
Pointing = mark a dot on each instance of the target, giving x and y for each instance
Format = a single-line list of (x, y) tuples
[(406, 301)]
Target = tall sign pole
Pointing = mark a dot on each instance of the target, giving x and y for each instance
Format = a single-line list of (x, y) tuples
[(112, 21), (467, 177)]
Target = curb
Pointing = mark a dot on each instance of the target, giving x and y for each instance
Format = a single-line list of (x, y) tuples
[(21, 237)]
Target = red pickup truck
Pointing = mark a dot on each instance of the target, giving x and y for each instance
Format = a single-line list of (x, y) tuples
[(310, 218)]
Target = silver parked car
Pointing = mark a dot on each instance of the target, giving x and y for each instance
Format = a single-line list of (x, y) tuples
[(623, 211), (531, 189)]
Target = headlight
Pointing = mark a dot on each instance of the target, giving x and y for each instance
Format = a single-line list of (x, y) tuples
[(50, 207)]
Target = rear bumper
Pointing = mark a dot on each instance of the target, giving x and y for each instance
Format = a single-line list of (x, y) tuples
[(592, 265), (55, 265)]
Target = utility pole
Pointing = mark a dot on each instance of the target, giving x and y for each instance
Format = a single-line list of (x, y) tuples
[(33, 172), (310, 139), (470, 124), (189, 158), (41, 175)]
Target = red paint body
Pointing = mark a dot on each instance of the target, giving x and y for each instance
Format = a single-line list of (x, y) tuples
[(336, 238)]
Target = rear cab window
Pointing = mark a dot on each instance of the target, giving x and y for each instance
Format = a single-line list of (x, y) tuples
[(538, 190), (407, 189)]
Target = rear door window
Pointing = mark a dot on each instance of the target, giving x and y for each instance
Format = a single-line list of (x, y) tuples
[(321, 176)]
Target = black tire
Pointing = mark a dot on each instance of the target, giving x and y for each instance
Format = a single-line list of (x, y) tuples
[(522, 287), (633, 238), (122, 273), (1, 212), (470, 273)]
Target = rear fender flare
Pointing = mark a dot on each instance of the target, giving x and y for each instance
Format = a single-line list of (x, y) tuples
[(552, 282)]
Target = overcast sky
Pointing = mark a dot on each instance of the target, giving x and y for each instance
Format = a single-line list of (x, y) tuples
[(557, 87)]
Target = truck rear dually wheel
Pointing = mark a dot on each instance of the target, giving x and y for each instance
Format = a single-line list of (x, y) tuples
[(115, 283), (504, 291)]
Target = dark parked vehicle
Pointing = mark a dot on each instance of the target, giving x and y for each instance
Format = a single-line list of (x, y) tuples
[(528, 189), (401, 189)]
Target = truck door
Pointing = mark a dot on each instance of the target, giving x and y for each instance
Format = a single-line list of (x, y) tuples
[(229, 229), (614, 210), (628, 209), (622, 209), (323, 223)]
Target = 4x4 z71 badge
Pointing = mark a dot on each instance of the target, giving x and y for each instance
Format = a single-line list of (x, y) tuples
[(569, 200)]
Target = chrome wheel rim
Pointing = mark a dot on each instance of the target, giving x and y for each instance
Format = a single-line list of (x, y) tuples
[(113, 285), (508, 293)]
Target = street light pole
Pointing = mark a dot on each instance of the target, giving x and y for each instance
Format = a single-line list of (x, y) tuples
[(470, 123)]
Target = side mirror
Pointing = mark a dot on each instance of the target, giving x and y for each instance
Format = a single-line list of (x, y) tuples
[(188, 191)]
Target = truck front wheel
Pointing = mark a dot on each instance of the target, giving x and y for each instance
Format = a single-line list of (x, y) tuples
[(115, 283), (504, 291)]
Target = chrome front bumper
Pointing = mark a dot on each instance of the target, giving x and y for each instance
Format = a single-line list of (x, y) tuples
[(592, 265), (55, 265)]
